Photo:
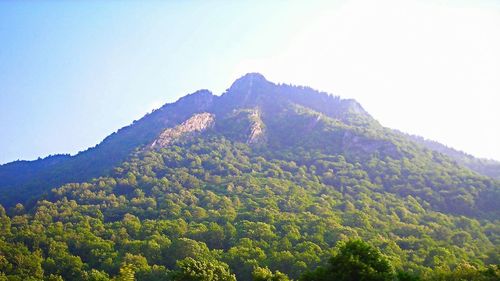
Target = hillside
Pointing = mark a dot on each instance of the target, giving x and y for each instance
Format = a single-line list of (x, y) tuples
[(264, 175)]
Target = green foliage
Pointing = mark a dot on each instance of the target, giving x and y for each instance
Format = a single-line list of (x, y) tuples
[(190, 269), (355, 261), (466, 272), (358, 260), (18, 263), (265, 274), (126, 273)]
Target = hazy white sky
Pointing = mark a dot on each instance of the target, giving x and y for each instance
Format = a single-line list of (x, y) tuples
[(72, 72), (430, 68)]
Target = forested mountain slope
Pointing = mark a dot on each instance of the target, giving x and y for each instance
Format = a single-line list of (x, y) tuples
[(263, 176), (30, 179)]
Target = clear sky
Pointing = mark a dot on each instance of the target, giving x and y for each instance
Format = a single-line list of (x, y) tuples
[(72, 72)]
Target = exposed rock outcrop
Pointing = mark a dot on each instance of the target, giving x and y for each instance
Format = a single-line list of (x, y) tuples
[(257, 130), (196, 124)]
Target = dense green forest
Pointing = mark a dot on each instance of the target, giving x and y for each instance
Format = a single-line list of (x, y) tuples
[(234, 211), (266, 186)]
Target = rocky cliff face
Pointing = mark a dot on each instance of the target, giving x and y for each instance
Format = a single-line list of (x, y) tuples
[(196, 124), (257, 134)]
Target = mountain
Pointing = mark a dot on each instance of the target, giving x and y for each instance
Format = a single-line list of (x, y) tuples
[(265, 177), (251, 93), (30, 179)]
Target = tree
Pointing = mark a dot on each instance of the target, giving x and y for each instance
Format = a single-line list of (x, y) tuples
[(4, 222), (265, 274), (190, 269), (126, 273), (183, 248), (355, 260)]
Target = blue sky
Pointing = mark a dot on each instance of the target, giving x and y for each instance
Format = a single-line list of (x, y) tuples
[(72, 72)]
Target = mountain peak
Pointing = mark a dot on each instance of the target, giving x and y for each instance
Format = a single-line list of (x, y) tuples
[(248, 81), (254, 76)]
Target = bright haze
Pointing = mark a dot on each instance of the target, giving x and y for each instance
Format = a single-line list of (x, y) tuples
[(71, 73)]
